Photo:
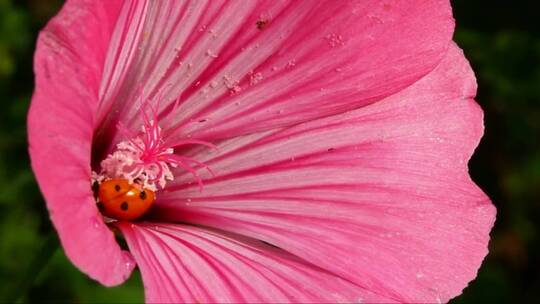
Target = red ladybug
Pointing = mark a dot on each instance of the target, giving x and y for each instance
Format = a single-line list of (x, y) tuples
[(119, 199)]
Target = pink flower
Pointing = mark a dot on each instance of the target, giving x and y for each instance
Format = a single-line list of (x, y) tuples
[(342, 133)]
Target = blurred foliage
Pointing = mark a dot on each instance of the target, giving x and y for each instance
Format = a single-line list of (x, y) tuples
[(502, 41)]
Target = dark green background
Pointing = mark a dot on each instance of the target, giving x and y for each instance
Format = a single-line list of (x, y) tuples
[(502, 41)]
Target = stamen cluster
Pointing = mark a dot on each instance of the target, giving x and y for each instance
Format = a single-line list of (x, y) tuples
[(145, 159)]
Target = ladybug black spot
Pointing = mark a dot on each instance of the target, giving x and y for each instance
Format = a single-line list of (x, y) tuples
[(117, 188), (124, 206), (142, 195)]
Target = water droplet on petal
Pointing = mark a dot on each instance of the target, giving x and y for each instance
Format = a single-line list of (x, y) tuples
[(334, 40), (210, 53), (255, 78), (96, 222), (129, 265)]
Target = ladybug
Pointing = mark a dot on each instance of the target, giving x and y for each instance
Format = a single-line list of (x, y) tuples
[(119, 199)]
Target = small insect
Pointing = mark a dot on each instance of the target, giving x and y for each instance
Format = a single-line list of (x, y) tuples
[(261, 24), (119, 199)]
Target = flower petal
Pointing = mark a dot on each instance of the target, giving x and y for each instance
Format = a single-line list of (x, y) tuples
[(380, 195), (187, 264), (309, 59), (68, 65)]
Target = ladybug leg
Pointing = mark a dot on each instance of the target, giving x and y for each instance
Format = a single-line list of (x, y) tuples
[(95, 190)]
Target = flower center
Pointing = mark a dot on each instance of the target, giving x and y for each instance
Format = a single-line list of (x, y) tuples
[(140, 167)]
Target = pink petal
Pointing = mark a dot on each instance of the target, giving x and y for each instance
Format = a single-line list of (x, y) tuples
[(379, 196), (188, 264), (311, 59), (68, 68)]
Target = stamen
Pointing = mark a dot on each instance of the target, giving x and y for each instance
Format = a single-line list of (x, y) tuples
[(184, 142), (178, 158), (145, 158)]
